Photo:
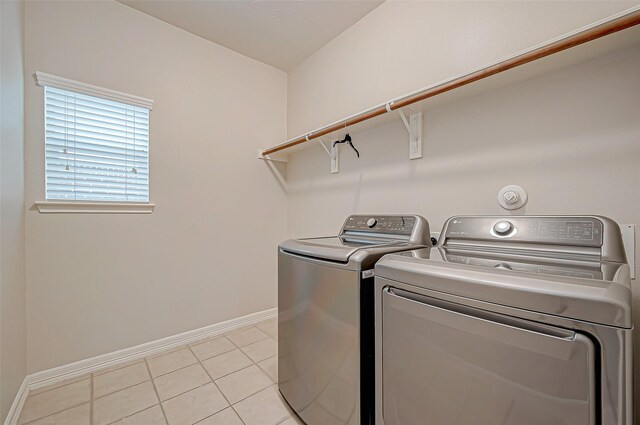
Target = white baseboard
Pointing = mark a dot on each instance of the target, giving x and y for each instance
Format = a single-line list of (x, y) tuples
[(72, 370), (16, 407)]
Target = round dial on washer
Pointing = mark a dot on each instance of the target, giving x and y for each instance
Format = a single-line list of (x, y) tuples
[(371, 222), (502, 227)]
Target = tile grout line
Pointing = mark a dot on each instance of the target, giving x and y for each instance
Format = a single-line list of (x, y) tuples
[(115, 368), (246, 345), (151, 378), (189, 347), (252, 394), (132, 414), (253, 342), (122, 389), (211, 340), (239, 401), (285, 419), (52, 414), (226, 374), (253, 364), (238, 347), (265, 358), (237, 414), (200, 386), (165, 374), (153, 384), (244, 398), (160, 402), (216, 355), (184, 392), (263, 369), (261, 389), (137, 411), (181, 368), (216, 385), (193, 364), (245, 329), (57, 411)]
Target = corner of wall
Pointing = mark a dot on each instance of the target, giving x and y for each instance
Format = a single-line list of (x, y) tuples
[(12, 214)]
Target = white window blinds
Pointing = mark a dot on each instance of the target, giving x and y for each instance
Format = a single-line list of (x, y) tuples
[(96, 149)]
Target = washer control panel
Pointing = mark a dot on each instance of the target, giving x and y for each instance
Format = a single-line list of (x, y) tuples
[(576, 231), (388, 224)]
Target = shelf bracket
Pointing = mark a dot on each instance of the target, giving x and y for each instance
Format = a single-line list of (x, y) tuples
[(277, 158), (324, 147), (414, 127), (334, 156)]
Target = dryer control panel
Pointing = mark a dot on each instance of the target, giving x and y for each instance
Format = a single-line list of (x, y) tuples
[(532, 232), (393, 224)]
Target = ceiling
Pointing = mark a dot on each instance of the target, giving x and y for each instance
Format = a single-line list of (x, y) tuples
[(281, 33)]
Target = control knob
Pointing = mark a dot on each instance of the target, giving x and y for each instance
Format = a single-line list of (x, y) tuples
[(372, 222), (502, 227)]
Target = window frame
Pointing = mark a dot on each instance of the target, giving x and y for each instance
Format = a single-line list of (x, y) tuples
[(92, 206)]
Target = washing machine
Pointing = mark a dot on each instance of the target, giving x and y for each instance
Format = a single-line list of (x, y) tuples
[(516, 320), (325, 315)]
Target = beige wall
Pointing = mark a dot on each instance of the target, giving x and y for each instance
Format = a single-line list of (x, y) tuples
[(98, 283), (570, 138), (403, 46), (13, 342)]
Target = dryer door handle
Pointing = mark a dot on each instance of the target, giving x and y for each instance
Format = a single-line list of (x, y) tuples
[(532, 336)]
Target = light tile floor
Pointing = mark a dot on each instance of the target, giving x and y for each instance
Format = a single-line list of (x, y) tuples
[(226, 380)]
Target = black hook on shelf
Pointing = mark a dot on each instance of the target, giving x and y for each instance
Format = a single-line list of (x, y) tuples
[(347, 140)]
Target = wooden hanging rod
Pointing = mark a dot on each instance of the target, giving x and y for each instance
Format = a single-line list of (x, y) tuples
[(593, 33)]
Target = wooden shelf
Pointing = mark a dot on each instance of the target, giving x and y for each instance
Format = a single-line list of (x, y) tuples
[(616, 33)]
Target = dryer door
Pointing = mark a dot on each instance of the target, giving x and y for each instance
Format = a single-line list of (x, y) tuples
[(445, 364)]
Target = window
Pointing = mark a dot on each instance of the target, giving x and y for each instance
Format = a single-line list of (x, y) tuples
[(96, 146)]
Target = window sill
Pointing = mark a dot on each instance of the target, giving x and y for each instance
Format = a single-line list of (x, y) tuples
[(47, 207)]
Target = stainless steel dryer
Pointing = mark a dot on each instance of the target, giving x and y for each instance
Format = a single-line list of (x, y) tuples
[(325, 316), (510, 321)]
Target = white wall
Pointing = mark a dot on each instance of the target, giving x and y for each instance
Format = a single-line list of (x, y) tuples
[(98, 283), (570, 138), (13, 340), (402, 46)]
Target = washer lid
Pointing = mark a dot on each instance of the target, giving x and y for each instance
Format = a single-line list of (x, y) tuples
[(336, 248), (606, 302)]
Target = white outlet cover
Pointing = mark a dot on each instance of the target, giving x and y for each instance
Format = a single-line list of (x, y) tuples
[(520, 197)]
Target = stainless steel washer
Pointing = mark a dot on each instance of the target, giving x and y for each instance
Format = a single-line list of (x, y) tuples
[(325, 316), (510, 320)]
